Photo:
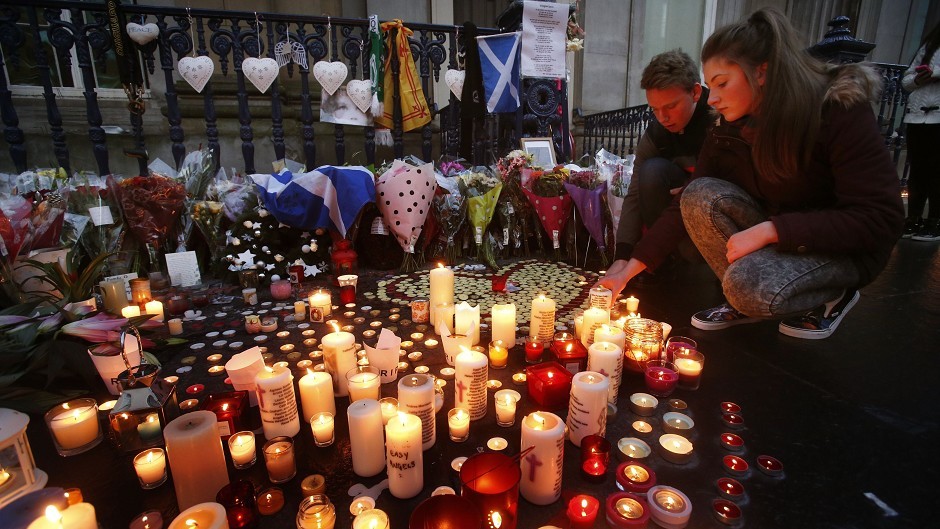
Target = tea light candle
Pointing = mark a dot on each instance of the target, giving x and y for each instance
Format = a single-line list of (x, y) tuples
[(675, 448), (726, 512), (635, 477), (731, 442), (78, 516), (730, 407), (582, 511), (431, 343), (371, 519), (499, 354), (149, 429), (270, 501), (458, 422), (175, 326), (279, 459), (147, 520), (457, 463), (770, 465), (678, 423), (643, 404), (625, 510), (130, 311), (734, 465), (730, 489), (677, 405), (519, 378), (360, 504), (313, 485), (150, 466), (497, 444), (642, 427), (156, 308), (669, 507), (389, 407), (242, 448), (322, 425), (633, 448), (733, 420)]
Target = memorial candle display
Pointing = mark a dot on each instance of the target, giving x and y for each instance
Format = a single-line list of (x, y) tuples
[(544, 433), (582, 511), (607, 359), (542, 318), (207, 515), (197, 460), (366, 442), (404, 456), (316, 394), (470, 383), (78, 516), (277, 402), (503, 323), (339, 356), (442, 289), (587, 408), (150, 466), (467, 321), (416, 396), (593, 319), (74, 426)]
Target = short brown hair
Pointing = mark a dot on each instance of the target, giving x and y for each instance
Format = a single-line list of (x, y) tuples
[(671, 68)]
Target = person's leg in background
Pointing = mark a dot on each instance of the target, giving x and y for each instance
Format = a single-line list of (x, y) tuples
[(923, 182)]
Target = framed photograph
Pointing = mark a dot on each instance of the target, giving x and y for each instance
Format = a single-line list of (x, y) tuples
[(542, 151)]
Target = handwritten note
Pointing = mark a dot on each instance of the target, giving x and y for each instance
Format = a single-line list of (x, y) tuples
[(183, 269)]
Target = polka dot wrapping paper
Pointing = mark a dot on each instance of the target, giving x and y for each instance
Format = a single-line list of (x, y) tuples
[(403, 196)]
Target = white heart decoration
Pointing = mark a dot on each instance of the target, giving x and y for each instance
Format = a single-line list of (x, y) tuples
[(454, 80), (196, 71), (360, 92), (261, 72), (142, 34), (330, 75)]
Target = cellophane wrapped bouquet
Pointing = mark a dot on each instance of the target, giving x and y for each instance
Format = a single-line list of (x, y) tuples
[(550, 201), (588, 192), (514, 209), (404, 193), (96, 213), (450, 211), (482, 187), (617, 172)]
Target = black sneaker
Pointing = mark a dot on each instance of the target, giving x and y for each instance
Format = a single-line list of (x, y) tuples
[(929, 232), (911, 226), (720, 317), (821, 322)]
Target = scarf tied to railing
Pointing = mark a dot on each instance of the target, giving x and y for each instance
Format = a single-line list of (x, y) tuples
[(414, 105)]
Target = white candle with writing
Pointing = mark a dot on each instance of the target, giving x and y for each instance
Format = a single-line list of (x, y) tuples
[(587, 407), (503, 324), (472, 371), (607, 359), (542, 320), (541, 468), (611, 334), (404, 455), (339, 356), (316, 394), (277, 402), (593, 319), (416, 396), (366, 442)]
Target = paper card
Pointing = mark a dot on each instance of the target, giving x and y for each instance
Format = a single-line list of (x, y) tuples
[(126, 278), (78, 223), (378, 226), (183, 269), (101, 216), (544, 31)]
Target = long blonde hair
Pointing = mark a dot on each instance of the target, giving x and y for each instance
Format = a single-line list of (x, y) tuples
[(788, 114)]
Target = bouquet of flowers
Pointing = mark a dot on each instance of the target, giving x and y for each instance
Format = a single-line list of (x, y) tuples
[(481, 187), (404, 195), (450, 210), (550, 201), (587, 191), (196, 174), (152, 207), (94, 205), (518, 209), (617, 172)]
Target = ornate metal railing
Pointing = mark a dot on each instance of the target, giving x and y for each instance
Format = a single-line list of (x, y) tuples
[(618, 131), (891, 108), (228, 38)]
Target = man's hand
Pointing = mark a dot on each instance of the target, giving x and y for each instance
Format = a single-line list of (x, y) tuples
[(751, 240)]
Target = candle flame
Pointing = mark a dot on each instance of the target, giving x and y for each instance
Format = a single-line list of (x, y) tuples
[(496, 520), (53, 514), (463, 348), (65, 406), (309, 371), (335, 326), (551, 374), (568, 348), (150, 457), (75, 414), (268, 497), (584, 504), (373, 524), (192, 523), (440, 265), (224, 408)]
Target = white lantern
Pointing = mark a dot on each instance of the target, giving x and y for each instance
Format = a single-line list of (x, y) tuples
[(18, 472)]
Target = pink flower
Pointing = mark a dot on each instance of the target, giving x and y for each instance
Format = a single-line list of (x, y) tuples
[(102, 328)]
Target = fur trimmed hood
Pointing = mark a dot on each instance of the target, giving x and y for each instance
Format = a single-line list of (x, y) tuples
[(851, 84)]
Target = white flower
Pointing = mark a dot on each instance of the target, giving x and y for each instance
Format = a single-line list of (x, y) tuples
[(236, 242), (262, 213), (279, 258), (313, 246), (247, 224), (575, 45)]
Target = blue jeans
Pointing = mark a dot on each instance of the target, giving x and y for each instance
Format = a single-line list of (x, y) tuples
[(765, 283)]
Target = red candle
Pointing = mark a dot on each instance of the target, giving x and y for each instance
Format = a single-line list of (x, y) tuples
[(730, 489), (770, 465), (661, 378), (734, 465), (549, 384), (625, 510), (533, 350), (635, 477), (229, 409), (582, 510), (730, 407), (726, 512), (732, 442), (595, 457), (569, 352), (733, 420), (499, 282), (347, 294)]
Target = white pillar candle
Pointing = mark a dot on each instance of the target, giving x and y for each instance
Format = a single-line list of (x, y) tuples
[(242, 448), (503, 323), (322, 425), (156, 308), (300, 309), (277, 402), (197, 460), (587, 407), (74, 425), (404, 454), (544, 433), (444, 317), (467, 321), (593, 319), (130, 311), (175, 326), (442, 288), (316, 394), (78, 516), (416, 396), (150, 466), (366, 442), (607, 359), (458, 423), (470, 383), (209, 515), (542, 319), (610, 334), (339, 356), (633, 304), (321, 305), (115, 295)]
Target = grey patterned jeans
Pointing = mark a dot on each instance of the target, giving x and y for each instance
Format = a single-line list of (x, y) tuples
[(765, 283)]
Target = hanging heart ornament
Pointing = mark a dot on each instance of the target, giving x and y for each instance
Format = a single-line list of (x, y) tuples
[(261, 72), (142, 34), (196, 71), (360, 92), (330, 75), (454, 80)]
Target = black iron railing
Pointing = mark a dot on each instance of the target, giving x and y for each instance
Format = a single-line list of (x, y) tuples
[(618, 131)]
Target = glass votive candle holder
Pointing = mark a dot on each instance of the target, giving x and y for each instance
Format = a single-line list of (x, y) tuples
[(281, 289), (74, 426), (177, 305), (150, 466), (505, 401), (364, 382), (238, 498), (660, 377), (316, 512), (679, 344), (347, 288), (140, 290), (595, 458), (323, 426), (533, 349), (389, 407), (689, 365), (279, 459), (458, 423), (499, 354), (241, 446)]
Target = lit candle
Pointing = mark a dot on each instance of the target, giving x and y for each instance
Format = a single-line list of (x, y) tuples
[(582, 511), (416, 396), (635, 477), (322, 425), (458, 422), (300, 310), (365, 437), (130, 311), (371, 519), (689, 365), (505, 407), (74, 424), (279, 459), (633, 448), (155, 307), (593, 319), (277, 402), (669, 507), (209, 515), (633, 304), (625, 511), (467, 321), (542, 318), (499, 354), (675, 448), (611, 334), (389, 407), (78, 516), (470, 383), (643, 404), (270, 501), (503, 323), (404, 455), (544, 433), (150, 466), (321, 305), (339, 356), (660, 378), (316, 394), (607, 359), (678, 423), (363, 383), (175, 326), (441, 288), (197, 460), (149, 429), (242, 447), (587, 408), (444, 314)]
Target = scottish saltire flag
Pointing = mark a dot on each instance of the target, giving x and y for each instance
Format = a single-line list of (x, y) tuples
[(327, 197), (500, 71)]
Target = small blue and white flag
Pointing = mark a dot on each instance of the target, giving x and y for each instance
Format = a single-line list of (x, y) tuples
[(327, 197), (500, 71)]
